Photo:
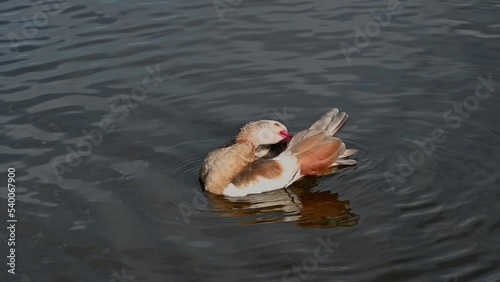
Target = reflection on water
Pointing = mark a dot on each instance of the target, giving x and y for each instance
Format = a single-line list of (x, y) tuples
[(297, 203)]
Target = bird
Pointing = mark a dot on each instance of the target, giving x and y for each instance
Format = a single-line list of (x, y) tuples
[(240, 169)]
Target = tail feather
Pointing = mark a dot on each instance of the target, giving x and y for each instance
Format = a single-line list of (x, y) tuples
[(330, 123), (337, 123), (316, 149), (322, 123), (348, 153), (342, 162)]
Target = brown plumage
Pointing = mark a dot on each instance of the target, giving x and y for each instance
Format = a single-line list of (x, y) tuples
[(222, 166), (260, 168), (242, 167), (320, 156), (316, 149)]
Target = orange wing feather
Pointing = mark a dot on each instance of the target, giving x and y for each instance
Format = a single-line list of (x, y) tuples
[(317, 153)]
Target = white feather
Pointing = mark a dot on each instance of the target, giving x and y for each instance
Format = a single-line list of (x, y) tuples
[(291, 172)]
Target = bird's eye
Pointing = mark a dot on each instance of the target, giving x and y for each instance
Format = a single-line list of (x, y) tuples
[(276, 124)]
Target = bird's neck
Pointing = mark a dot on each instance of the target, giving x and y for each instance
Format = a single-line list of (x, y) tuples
[(247, 143), (239, 156)]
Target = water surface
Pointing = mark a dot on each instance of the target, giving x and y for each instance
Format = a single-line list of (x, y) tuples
[(157, 85)]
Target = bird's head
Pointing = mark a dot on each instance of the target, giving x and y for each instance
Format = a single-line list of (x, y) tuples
[(264, 132)]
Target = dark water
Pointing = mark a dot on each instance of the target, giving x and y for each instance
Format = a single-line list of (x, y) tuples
[(156, 85)]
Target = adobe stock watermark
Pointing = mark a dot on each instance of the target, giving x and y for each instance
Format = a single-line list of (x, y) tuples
[(222, 6), (485, 172), (453, 119), (199, 202), (371, 29), (284, 116), (120, 277), (31, 26), (121, 106), (301, 272)]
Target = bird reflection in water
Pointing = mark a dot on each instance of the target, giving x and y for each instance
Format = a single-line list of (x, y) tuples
[(296, 203)]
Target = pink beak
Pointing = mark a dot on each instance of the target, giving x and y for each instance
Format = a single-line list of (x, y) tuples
[(286, 135)]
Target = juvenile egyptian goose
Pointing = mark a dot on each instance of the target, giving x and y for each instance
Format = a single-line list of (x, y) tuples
[(237, 170)]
